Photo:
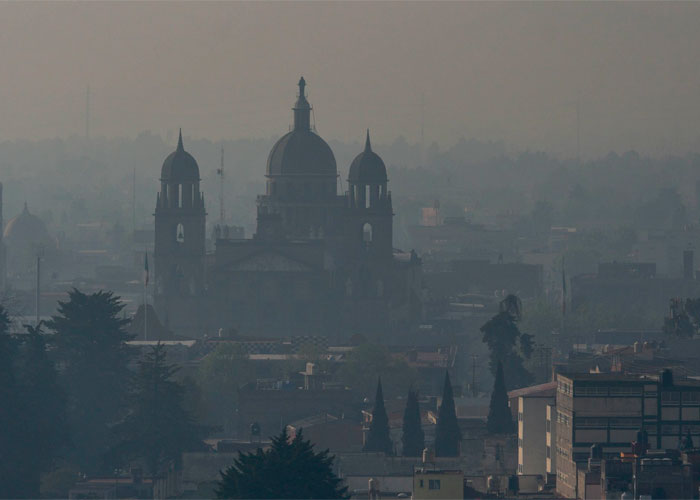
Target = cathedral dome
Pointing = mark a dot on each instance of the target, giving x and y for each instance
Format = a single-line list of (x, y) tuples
[(301, 151), (367, 167), (180, 165), (26, 231)]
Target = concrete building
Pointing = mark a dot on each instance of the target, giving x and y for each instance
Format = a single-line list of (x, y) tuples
[(532, 428), (608, 409), (431, 483), (551, 439)]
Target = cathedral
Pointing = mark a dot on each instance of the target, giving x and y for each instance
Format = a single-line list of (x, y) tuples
[(320, 263)]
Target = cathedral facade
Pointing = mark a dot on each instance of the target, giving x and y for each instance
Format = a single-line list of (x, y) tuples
[(320, 263)]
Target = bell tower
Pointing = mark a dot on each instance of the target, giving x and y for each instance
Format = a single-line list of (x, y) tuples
[(179, 251), (369, 209)]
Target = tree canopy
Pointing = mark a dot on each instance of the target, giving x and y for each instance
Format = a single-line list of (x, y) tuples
[(157, 428), (90, 345), (506, 344), (288, 469)]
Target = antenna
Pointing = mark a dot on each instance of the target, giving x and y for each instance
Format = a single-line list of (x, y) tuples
[(133, 204), (422, 128), (220, 173), (87, 112)]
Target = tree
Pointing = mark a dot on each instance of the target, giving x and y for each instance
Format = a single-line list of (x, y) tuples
[(505, 342), (90, 344), (289, 469), (500, 420), (448, 436), (220, 375), (684, 318), (10, 416), (43, 407), (157, 429), (413, 438), (378, 438)]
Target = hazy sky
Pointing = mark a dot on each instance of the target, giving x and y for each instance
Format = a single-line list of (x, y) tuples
[(500, 71)]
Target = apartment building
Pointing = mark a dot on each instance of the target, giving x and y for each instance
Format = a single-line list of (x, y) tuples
[(609, 408), (532, 427)]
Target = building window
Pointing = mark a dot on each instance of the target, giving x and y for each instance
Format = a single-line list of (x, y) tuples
[(549, 452), (180, 233), (421, 483), (520, 468), (520, 442), (433, 484), (520, 416), (548, 425)]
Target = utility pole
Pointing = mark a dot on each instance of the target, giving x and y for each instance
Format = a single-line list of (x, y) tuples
[(474, 391), (39, 254), (87, 113), (422, 128), (133, 206)]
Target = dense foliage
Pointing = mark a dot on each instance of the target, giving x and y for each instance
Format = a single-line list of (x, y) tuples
[(507, 344), (90, 345), (288, 469), (157, 428), (32, 412)]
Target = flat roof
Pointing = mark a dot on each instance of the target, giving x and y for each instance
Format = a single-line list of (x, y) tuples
[(535, 391)]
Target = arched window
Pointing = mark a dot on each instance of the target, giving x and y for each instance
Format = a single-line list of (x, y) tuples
[(180, 234), (367, 233)]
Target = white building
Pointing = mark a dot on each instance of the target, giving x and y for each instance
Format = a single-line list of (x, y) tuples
[(532, 427)]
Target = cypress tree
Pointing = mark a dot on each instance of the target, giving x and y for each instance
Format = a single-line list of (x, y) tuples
[(448, 437), (500, 420), (378, 438), (413, 438)]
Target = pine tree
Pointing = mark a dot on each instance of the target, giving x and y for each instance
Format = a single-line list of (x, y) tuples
[(448, 437), (500, 420), (90, 344), (158, 428), (42, 403), (413, 438), (10, 413), (289, 469), (378, 438)]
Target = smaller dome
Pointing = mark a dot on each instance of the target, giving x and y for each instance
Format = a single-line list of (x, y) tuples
[(180, 165), (27, 230), (367, 167)]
